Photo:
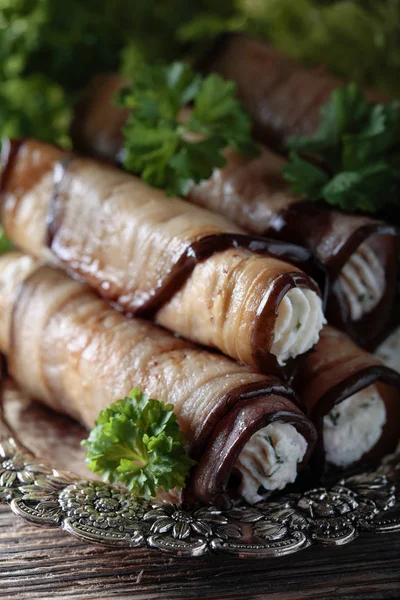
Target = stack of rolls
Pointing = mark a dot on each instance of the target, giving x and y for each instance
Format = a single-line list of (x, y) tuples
[(69, 348), (215, 303), (184, 267), (357, 251), (178, 266)]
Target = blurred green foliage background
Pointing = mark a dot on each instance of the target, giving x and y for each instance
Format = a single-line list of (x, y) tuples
[(49, 49)]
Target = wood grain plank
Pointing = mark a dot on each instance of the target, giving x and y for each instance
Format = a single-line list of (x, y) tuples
[(49, 564)]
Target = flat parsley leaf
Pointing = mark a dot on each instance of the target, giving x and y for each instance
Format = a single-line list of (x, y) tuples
[(137, 441), (353, 160), (172, 146), (306, 179)]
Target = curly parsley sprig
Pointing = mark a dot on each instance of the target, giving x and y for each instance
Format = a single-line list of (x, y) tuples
[(170, 151), (137, 441), (353, 160)]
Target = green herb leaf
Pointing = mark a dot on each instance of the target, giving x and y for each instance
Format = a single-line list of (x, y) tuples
[(5, 244), (170, 146), (137, 441), (334, 416), (305, 177), (358, 190), (353, 160)]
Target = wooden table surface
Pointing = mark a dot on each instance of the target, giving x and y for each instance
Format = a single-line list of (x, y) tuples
[(41, 564), (44, 564)]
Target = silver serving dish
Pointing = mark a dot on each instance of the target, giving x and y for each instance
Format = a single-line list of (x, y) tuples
[(107, 514)]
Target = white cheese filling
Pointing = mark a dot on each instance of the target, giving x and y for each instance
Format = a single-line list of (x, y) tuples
[(269, 460), (389, 351), (353, 427), (362, 280), (299, 322)]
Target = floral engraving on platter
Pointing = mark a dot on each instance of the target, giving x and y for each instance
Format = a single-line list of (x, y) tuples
[(16, 468), (102, 513)]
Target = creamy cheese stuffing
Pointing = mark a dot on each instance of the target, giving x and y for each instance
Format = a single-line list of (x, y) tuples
[(389, 351), (299, 322), (269, 460), (353, 427), (362, 280)]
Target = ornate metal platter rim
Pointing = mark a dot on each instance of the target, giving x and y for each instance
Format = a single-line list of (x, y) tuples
[(102, 513)]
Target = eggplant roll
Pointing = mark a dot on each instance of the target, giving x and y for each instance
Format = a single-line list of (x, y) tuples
[(352, 399), (70, 349), (357, 251), (283, 97), (190, 270)]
